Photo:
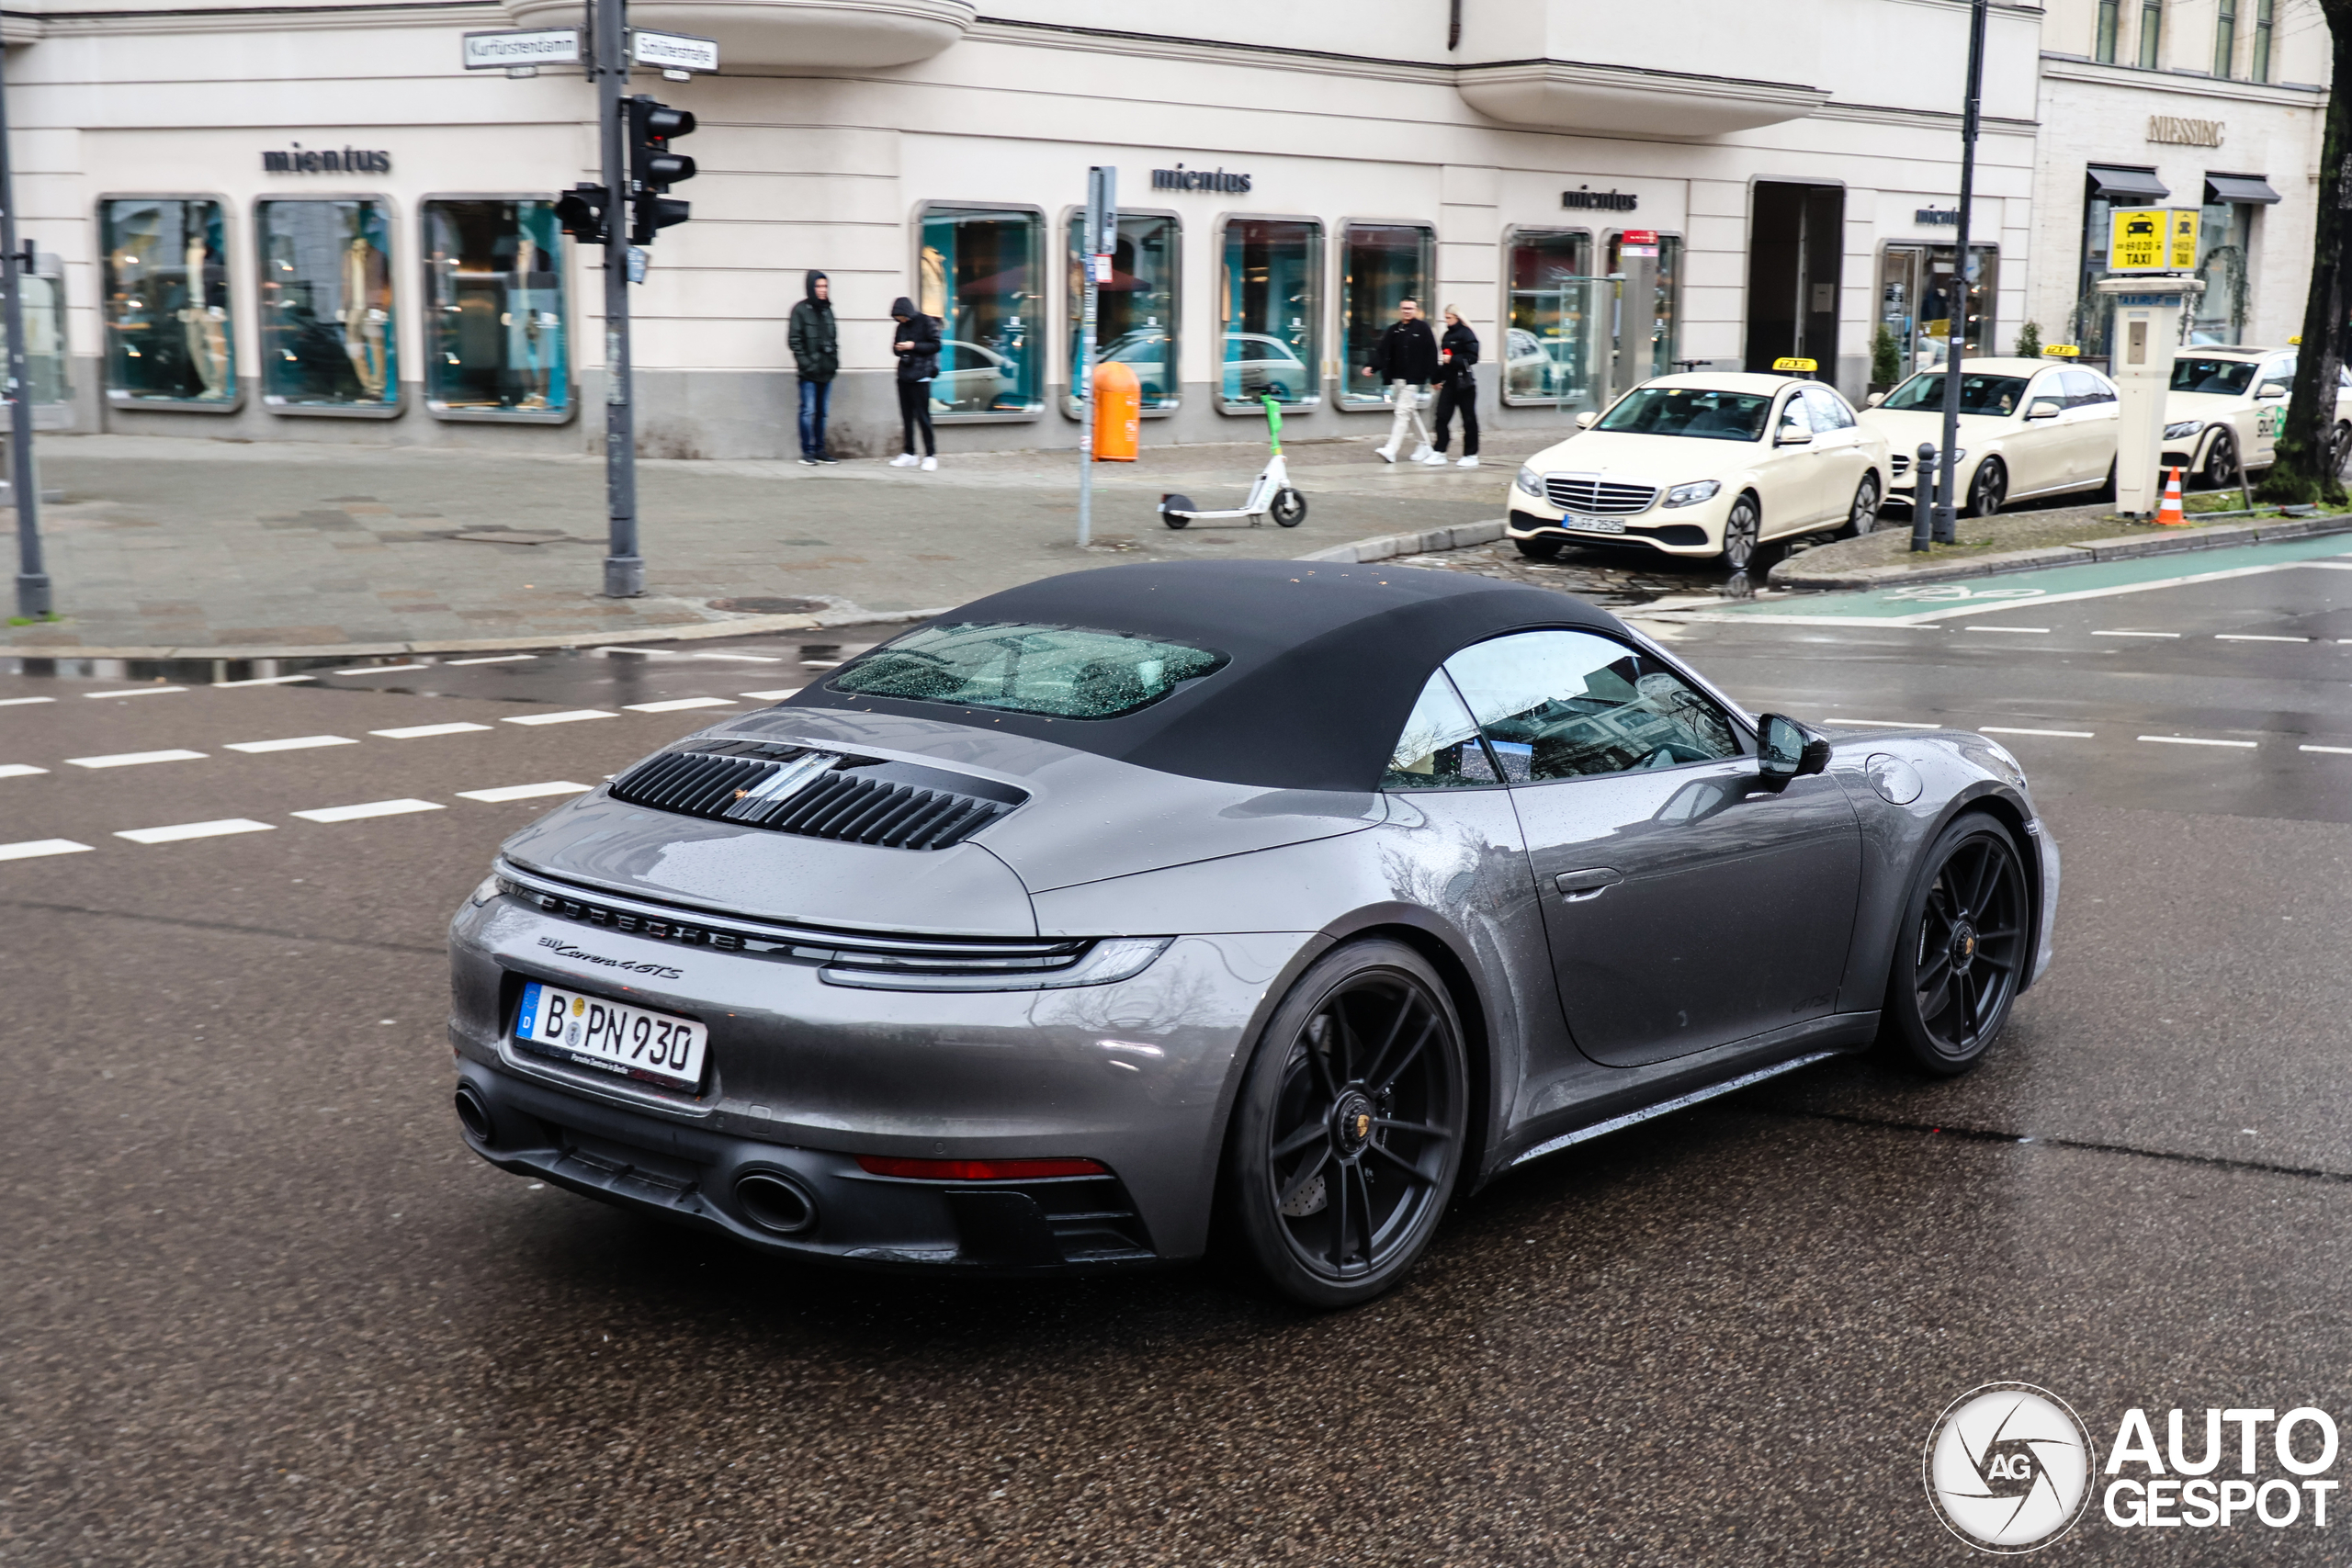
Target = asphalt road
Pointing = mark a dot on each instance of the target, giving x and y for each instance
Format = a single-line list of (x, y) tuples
[(259, 1306)]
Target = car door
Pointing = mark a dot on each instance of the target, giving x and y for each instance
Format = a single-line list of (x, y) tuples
[(1839, 455), (2037, 450), (2091, 403), (1684, 906), (1787, 478), (2268, 416)]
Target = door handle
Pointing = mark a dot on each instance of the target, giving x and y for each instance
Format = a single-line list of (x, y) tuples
[(1591, 883)]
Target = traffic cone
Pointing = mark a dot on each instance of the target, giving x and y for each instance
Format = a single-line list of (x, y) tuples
[(2169, 514)]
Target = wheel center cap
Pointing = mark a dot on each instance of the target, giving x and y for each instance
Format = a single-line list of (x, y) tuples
[(1963, 946), (1351, 1122)]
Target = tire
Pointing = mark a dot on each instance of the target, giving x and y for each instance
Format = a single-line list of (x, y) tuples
[(2341, 453), (1862, 516), (2221, 468), (1347, 1138), (1743, 535), (2107, 491), (1289, 509), (1987, 487), (1960, 951), (1539, 550)]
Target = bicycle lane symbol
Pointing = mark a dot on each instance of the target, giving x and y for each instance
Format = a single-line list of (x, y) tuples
[(1956, 593)]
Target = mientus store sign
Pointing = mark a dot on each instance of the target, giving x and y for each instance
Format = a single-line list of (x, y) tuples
[(301, 160), (1182, 178), (1588, 198)]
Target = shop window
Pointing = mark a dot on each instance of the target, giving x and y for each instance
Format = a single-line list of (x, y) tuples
[(2222, 231), (1918, 295), (1379, 265), (1665, 309), (1557, 311), (168, 328), (2264, 14), (1270, 313), (979, 276), (326, 306), (496, 327), (1136, 309), (2110, 21), (2152, 34), (2225, 37)]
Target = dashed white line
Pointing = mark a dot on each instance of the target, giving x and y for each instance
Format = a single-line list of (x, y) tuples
[(32, 847), (679, 705), (262, 680), (2253, 637), (1884, 723), (134, 759), (135, 692), (775, 696), (670, 653), (292, 743), (570, 716), (2038, 631), (25, 701), (2331, 751), (19, 769), (368, 808), (419, 731), (2196, 740), (173, 835), (525, 791), (2135, 634), (379, 669), (493, 658), (2060, 734), (742, 657)]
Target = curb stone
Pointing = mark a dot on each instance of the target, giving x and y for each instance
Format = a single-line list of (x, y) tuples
[(1387, 546), (1791, 573)]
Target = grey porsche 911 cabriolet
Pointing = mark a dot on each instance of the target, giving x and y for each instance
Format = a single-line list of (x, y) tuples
[(1289, 898)]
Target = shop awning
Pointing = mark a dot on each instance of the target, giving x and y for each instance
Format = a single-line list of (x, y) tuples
[(2119, 183), (2238, 188)]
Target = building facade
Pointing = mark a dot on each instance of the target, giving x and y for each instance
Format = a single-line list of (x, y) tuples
[(309, 222)]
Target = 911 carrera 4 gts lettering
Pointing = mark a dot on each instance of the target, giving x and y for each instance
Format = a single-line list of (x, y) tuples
[(565, 950)]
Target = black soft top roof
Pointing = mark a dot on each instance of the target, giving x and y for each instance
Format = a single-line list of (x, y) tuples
[(1327, 661)]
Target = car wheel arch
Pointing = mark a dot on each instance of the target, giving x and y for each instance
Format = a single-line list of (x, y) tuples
[(1988, 798)]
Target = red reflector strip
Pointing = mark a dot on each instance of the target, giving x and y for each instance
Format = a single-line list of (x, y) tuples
[(978, 1170)]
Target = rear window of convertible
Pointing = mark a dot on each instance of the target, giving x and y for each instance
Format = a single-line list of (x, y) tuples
[(1053, 672)]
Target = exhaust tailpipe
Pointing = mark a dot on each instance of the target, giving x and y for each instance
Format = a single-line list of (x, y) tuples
[(774, 1202)]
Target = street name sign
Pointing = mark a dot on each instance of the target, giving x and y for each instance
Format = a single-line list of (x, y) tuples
[(674, 52), (535, 46)]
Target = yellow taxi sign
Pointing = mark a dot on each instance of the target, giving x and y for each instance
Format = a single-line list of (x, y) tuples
[(2061, 351), (2152, 239), (2295, 342), (1807, 366)]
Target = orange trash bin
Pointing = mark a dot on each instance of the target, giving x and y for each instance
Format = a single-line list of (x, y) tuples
[(1119, 413)]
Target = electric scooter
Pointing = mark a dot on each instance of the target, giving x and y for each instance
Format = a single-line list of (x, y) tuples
[(1271, 496)]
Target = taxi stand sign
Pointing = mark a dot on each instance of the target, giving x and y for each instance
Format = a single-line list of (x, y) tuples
[(2152, 239)]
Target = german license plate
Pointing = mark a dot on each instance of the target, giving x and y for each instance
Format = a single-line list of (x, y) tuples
[(1597, 525), (612, 1037)]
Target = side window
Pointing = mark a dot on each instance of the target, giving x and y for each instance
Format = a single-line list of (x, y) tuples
[(2085, 389), (1564, 705), (1793, 417), (1439, 748), (2277, 379), (1828, 409)]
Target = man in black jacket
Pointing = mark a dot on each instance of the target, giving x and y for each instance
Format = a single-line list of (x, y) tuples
[(916, 343), (816, 354), (1405, 361)]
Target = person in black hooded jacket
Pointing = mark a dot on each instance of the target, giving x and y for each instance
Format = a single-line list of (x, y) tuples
[(1458, 389), (816, 349), (916, 343)]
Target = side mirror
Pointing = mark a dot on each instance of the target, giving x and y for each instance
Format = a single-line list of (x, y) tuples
[(2271, 390), (1873, 400), (2044, 408), (1793, 435), (1584, 420), (1787, 750)]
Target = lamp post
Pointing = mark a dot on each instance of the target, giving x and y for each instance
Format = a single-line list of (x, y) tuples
[(24, 485), (1956, 327)]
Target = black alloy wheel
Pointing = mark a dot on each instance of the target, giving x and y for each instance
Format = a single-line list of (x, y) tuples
[(1988, 488), (1539, 549), (2221, 469), (2340, 452), (1349, 1133), (1289, 508), (1863, 516), (1961, 952), (1743, 535)]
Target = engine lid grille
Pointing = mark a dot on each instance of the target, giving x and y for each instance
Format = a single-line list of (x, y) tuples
[(819, 794), (1591, 493)]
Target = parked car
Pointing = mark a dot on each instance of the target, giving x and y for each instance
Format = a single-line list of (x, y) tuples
[(1128, 903), (972, 378), (1145, 352), (2028, 427), (1704, 465), (1258, 363), (2226, 406)]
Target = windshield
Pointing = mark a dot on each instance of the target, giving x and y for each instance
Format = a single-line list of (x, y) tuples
[(1690, 410), (2224, 377), (1979, 393), (1053, 672)]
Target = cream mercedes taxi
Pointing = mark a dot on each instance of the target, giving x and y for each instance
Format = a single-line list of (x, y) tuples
[(2028, 427), (1704, 465), (2226, 406)]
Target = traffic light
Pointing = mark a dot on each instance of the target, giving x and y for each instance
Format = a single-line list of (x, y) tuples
[(653, 168), (581, 210)]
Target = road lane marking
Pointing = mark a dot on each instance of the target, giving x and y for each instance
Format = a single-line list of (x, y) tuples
[(135, 692), (173, 835), (679, 705), (525, 791), (2196, 741), (493, 658), (134, 759), (2135, 634), (2331, 751), (419, 731), (2038, 631), (2061, 734), (19, 769), (369, 808), (742, 657), (569, 716), (25, 701), (262, 680), (292, 743), (379, 669), (776, 696), (1887, 723), (2252, 637), (32, 847)]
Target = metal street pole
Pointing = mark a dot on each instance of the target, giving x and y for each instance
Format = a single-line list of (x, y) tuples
[(624, 566), (1101, 238), (24, 484), (1956, 318)]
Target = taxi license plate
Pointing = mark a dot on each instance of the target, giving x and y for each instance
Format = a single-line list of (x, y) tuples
[(1597, 525), (612, 1037)]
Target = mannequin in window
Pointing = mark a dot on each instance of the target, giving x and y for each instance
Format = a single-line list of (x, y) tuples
[(367, 290)]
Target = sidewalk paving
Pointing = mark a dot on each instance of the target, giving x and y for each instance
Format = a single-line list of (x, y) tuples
[(251, 549)]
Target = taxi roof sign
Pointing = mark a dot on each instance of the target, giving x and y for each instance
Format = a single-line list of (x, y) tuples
[(2061, 351), (1807, 366)]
